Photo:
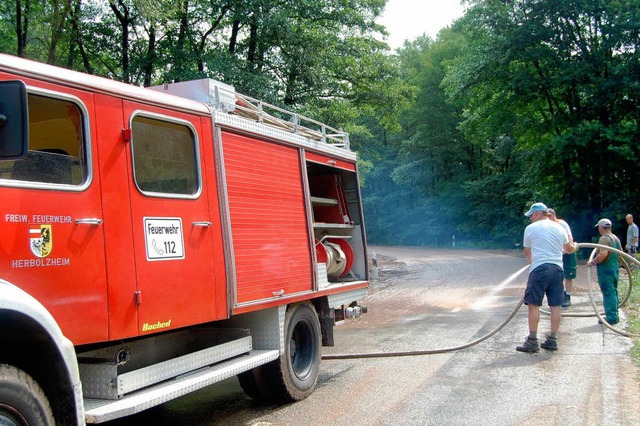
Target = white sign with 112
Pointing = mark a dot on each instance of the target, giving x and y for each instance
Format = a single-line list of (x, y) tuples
[(164, 238)]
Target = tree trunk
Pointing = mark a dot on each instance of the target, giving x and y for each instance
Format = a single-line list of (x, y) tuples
[(150, 58), (180, 60), (291, 82), (253, 44), (77, 39), (233, 42), (57, 25), (125, 20), (22, 26), (200, 48)]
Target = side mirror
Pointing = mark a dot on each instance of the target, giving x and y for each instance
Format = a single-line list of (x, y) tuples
[(14, 120)]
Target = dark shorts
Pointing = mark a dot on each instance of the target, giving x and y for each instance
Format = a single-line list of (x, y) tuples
[(546, 279), (570, 265)]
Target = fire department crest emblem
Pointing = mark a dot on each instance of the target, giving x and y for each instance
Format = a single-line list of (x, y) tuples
[(40, 240)]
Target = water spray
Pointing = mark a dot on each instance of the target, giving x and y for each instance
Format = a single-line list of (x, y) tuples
[(442, 350), (511, 315)]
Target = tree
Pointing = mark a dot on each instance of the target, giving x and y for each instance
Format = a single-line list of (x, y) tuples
[(429, 159), (32, 29), (561, 79)]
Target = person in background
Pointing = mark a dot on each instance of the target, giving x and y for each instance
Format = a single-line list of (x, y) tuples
[(544, 243), (569, 262), (607, 264), (632, 236)]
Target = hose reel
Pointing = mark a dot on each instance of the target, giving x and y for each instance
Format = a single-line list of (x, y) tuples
[(337, 254)]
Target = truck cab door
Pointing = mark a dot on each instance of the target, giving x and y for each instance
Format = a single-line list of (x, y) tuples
[(52, 240), (172, 227)]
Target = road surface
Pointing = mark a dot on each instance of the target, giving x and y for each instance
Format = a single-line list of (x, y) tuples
[(431, 299)]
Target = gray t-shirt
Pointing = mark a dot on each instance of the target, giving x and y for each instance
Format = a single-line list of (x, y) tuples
[(632, 231)]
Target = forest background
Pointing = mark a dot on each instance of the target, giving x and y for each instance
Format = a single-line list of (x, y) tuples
[(518, 101)]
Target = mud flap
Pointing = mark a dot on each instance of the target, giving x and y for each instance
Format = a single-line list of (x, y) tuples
[(327, 322)]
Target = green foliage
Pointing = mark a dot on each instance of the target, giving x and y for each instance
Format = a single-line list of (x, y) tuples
[(8, 36), (554, 80), (518, 102), (632, 309)]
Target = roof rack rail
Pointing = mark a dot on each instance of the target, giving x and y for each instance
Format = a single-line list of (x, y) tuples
[(223, 97), (272, 115)]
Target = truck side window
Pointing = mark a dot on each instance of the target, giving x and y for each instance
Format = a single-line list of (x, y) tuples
[(56, 144), (164, 156)]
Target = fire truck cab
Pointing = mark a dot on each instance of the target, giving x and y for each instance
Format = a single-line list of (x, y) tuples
[(158, 240)]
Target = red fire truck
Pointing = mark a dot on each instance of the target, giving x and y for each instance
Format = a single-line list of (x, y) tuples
[(154, 241)]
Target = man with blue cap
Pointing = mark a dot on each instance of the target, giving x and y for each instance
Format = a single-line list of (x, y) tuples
[(544, 243)]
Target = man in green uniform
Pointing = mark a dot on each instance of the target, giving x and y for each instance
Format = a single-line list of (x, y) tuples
[(607, 263)]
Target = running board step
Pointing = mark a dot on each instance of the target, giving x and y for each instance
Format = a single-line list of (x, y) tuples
[(102, 410), (154, 361)]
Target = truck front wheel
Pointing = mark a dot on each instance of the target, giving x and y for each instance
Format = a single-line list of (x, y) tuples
[(22, 400)]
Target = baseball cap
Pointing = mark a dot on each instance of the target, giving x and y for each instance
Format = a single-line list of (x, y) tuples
[(605, 223), (536, 207)]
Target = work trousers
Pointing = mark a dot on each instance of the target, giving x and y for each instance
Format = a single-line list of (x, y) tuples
[(608, 281)]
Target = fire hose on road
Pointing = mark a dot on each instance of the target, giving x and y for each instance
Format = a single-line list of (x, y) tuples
[(625, 256), (509, 318)]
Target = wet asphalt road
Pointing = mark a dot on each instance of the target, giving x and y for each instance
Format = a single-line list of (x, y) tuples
[(428, 299)]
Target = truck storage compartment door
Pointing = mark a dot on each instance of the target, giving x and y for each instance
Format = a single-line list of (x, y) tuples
[(172, 226), (337, 219), (271, 242)]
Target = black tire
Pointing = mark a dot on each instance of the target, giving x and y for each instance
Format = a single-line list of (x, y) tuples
[(22, 400), (255, 384), (294, 375), (299, 366)]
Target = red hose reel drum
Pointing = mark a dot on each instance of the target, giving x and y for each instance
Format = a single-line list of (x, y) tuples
[(337, 254)]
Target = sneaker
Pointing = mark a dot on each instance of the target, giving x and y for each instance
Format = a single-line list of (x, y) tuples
[(567, 300), (550, 344), (529, 345), (609, 322)]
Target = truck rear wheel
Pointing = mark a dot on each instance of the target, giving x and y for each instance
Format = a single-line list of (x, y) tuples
[(22, 400), (294, 375), (299, 366)]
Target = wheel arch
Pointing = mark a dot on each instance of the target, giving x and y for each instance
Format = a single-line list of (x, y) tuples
[(32, 341), (278, 381)]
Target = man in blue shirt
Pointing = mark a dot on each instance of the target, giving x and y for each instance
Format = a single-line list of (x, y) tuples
[(632, 236)]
